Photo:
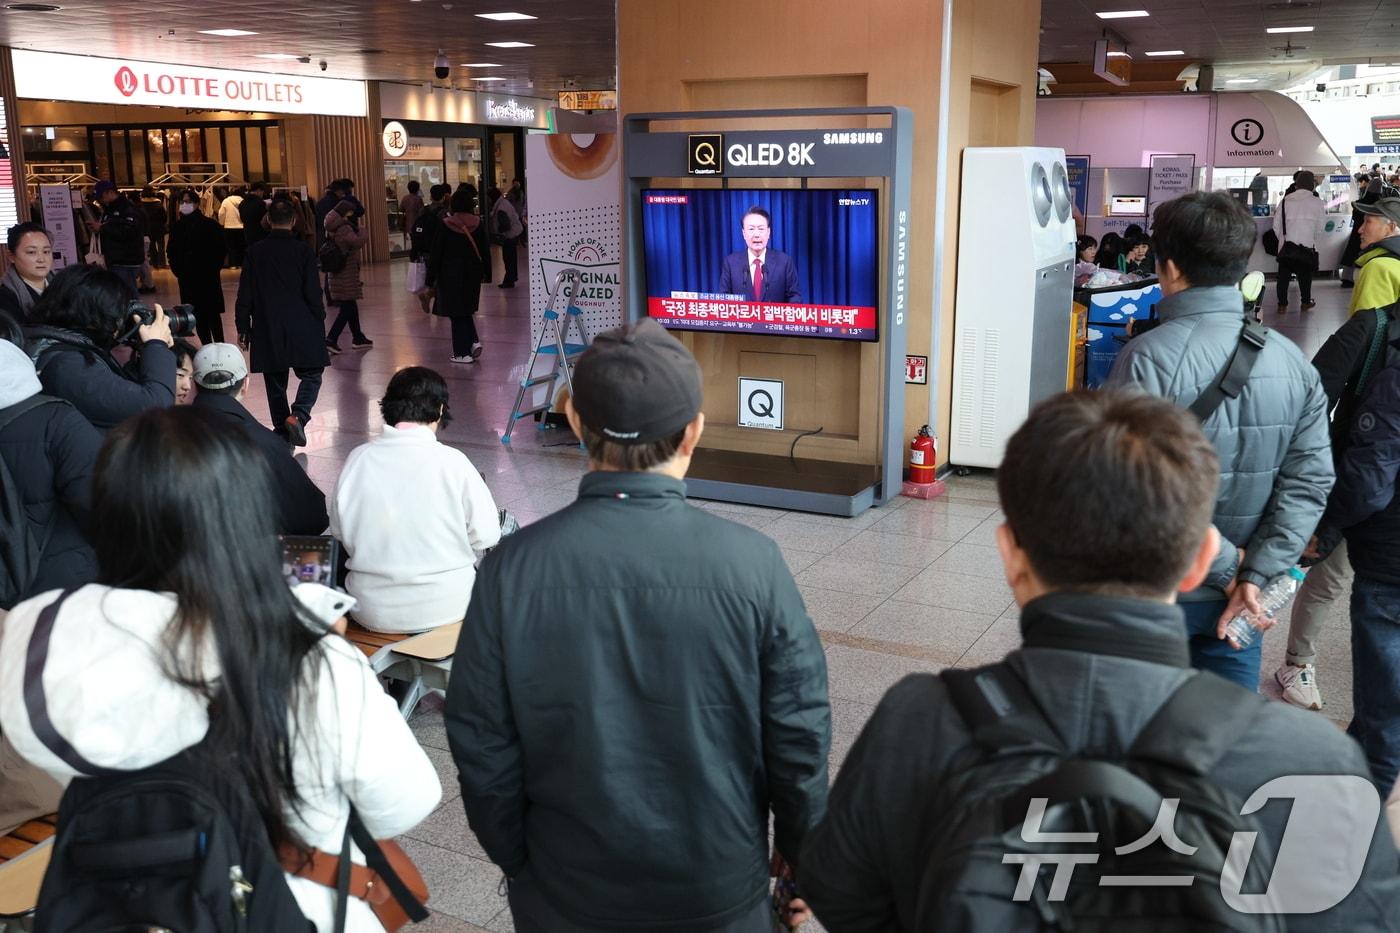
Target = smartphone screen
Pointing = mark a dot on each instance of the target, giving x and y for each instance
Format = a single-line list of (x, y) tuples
[(309, 559)]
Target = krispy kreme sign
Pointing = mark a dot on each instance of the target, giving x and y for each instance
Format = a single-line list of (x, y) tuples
[(51, 76)]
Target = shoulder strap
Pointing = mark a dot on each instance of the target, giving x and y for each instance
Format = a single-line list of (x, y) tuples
[(1230, 382), (1191, 729), (376, 859), (1283, 212), (998, 710), (9, 414), (37, 705), (1378, 341)]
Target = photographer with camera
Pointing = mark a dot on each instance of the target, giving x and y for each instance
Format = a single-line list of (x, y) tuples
[(79, 320)]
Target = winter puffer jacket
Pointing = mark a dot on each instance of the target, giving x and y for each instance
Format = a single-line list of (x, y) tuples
[(49, 451), (345, 285), (73, 368), (1275, 455)]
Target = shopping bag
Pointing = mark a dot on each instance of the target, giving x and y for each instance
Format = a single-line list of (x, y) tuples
[(417, 276), (94, 254)]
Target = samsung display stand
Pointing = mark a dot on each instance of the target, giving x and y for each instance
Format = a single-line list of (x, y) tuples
[(827, 318)]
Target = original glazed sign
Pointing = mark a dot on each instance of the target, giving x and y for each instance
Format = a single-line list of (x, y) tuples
[(51, 76)]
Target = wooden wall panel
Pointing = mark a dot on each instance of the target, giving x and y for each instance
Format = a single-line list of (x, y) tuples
[(347, 147), (676, 55)]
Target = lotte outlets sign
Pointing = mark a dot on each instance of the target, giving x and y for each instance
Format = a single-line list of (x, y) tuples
[(50, 76)]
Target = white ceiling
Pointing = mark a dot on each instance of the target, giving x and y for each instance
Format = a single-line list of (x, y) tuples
[(575, 40), (1231, 33)]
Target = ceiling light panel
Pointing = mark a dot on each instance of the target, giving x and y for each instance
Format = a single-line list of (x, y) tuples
[(506, 17)]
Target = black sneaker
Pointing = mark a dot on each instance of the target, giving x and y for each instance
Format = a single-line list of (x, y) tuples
[(362, 343), (296, 432), (332, 349)]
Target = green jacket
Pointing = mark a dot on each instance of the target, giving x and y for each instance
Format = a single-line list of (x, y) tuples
[(637, 684), (1377, 283)]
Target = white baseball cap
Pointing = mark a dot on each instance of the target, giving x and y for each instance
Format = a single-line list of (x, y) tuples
[(218, 366)]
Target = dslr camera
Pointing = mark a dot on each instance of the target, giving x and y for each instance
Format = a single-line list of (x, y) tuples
[(181, 319)]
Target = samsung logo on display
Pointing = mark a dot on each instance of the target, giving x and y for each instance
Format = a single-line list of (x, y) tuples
[(510, 112), (873, 138)]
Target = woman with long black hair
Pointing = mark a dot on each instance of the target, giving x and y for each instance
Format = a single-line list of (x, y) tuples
[(191, 635)]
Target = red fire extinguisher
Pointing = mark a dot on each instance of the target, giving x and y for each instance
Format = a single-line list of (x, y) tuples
[(923, 456)]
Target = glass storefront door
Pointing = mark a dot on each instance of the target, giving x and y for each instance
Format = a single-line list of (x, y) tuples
[(421, 163)]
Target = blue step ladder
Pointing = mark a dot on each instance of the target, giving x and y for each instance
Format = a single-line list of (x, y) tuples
[(553, 341)]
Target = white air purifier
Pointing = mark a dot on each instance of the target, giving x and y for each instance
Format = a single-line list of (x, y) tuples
[(1016, 260)]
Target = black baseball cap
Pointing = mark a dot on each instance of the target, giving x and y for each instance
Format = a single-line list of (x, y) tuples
[(1389, 208), (637, 384)]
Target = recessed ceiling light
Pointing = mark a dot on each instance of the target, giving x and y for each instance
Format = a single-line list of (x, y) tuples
[(1168, 52), (488, 79), (227, 33), (478, 65), (505, 17), (1278, 30), (511, 45), (1241, 80), (1121, 14), (32, 7), (277, 56)]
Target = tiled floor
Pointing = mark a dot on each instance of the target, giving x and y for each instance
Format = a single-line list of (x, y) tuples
[(912, 586)]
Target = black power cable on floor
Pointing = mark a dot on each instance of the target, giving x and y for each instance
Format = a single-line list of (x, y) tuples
[(792, 452)]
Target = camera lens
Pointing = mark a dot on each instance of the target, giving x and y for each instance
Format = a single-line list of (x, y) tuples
[(181, 320)]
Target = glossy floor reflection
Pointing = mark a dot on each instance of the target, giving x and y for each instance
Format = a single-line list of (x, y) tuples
[(912, 586)]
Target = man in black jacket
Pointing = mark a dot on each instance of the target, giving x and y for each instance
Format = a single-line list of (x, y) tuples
[(281, 320), (1348, 362), (222, 376), (622, 727), (1365, 509), (252, 211), (1104, 649), (123, 235)]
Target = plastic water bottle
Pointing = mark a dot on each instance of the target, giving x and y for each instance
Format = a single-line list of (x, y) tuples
[(1273, 597)]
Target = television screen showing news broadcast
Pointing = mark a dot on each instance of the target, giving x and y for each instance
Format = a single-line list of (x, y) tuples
[(793, 263)]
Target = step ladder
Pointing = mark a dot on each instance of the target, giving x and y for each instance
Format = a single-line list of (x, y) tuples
[(553, 341)]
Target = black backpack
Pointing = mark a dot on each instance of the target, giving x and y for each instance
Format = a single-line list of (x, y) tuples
[(21, 544), (424, 231), (1017, 757), (332, 258), (177, 846)]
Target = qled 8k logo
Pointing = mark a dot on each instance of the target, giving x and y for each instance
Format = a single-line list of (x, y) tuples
[(126, 81)]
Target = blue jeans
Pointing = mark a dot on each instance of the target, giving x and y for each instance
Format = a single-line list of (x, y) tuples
[(129, 275), (1375, 671), (1216, 655)]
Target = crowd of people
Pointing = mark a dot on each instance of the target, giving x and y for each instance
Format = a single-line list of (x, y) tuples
[(626, 732)]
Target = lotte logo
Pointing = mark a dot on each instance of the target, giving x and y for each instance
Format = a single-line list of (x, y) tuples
[(125, 81)]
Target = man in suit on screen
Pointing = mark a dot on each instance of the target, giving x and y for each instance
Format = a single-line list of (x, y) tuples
[(759, 273)]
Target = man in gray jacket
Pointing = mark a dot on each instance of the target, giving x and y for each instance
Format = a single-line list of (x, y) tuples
[(1272, 438), (637, 683)]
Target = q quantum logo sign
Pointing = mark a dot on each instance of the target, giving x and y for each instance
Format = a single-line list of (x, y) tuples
[(125, 80), (706, 154), (395, 139)]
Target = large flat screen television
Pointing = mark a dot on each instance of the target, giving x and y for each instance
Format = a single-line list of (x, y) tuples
[(817, 255)]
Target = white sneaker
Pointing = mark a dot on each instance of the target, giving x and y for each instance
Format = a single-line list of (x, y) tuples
[(463, 359), (1299, 685)]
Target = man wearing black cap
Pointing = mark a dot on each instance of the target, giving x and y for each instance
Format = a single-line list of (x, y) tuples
[(637, 682)]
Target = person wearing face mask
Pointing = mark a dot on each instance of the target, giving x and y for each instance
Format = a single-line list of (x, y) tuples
[(345, 287), (196, 252), (31, 267)]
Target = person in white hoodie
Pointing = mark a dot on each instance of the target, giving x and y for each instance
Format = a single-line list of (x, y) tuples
[(412, 514), (191, 637)]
